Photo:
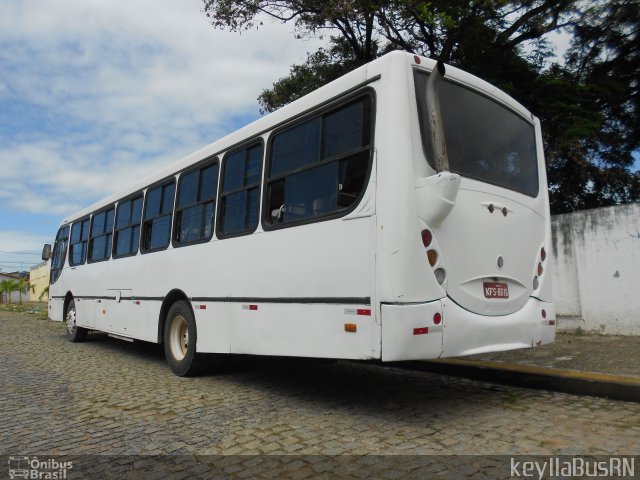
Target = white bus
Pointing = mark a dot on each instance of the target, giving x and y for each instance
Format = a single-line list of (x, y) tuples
[(399, 212)]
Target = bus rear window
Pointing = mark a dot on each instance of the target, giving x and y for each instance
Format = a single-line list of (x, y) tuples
[(485, 140)]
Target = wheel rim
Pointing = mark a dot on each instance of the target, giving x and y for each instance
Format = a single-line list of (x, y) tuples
[(71, 321), (178, 337)]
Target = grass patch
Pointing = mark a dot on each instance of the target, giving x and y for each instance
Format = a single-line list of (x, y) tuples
[(38, 309)]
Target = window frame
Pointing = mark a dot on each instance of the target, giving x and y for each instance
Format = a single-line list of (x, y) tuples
[(246, 145), (69, 247), (128, 198), (161, 183), (63, 255), (294, 122), (207, 162), (89, 244)]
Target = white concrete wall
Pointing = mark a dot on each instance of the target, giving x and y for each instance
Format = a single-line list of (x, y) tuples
[(597, 269)]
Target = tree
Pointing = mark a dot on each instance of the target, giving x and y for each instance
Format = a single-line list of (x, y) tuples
[(587, 105), (23, 286), (44, 293), (8, 287), (468, 33)]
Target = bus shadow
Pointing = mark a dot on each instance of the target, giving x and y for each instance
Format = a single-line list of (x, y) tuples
[(368, 387), (365, 387)]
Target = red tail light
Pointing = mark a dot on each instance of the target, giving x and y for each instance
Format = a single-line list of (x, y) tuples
[(543, 254), (426, 237)]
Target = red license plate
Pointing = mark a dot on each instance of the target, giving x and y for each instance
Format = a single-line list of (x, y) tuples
[(495, 290)]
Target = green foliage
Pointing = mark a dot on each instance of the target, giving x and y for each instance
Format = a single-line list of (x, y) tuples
[(588, 105), (44, 293), (7, 287)]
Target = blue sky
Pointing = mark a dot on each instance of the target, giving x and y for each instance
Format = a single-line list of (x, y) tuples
[(95, 94)]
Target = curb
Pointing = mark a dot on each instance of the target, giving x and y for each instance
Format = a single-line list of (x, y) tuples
[(616, 387)]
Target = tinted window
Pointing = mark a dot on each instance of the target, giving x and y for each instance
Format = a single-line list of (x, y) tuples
[(315, 175), (344, 130), (59, 253), (485, 140), (296, 147), (240, 196), (158, 211), (154, 198), (196, 205), (79, 239), (100, 240), (127, 234)]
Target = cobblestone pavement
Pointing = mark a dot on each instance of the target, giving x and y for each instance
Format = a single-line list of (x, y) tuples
[(106, 396)]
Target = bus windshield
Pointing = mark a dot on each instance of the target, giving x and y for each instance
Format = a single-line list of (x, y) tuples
[(485, 140)]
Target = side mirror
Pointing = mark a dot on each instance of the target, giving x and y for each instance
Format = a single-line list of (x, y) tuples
[(46, 252)]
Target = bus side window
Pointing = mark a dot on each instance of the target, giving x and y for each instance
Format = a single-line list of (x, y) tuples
[(319, 167), (158, 211), (240, 192), (196, 205), (59, 253), (79, 238), (127, 232), (100, 237)]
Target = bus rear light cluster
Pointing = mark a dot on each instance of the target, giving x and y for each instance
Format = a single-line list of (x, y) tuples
[(540, 270), (433, 256)]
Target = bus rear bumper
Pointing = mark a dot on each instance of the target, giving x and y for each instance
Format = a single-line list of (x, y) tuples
[(409, 332)]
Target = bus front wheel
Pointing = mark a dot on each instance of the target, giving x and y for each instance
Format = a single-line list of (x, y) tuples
[(180, 340), (74, 332)]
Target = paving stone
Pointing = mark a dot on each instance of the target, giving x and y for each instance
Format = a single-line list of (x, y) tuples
[(105, 396)]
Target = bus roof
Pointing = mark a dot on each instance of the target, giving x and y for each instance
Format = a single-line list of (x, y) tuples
[(354, 79)]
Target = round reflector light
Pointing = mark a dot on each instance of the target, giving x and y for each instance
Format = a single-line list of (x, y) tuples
[(416, 58), (544, 313), (437, 318)]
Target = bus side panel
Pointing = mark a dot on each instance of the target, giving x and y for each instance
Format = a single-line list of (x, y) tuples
[(321, 264), (56, 307), (85, 310), (212, 325), (301, 330), (408, 331)]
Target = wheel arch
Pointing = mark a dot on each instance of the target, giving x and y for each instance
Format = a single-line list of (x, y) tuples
[(173, 296), (67, 300)]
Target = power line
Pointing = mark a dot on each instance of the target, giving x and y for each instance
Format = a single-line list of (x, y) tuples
[(21, 253)]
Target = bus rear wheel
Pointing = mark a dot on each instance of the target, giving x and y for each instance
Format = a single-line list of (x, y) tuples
[(74, 332), (180, 341)]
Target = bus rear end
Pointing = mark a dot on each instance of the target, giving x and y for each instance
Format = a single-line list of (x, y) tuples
[(482, 232)]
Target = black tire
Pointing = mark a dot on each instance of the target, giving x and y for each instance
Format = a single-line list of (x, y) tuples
[(180, 341), (74, 332)]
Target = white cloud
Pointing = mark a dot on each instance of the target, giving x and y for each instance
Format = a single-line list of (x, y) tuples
[(23, 242), (98, 94)]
